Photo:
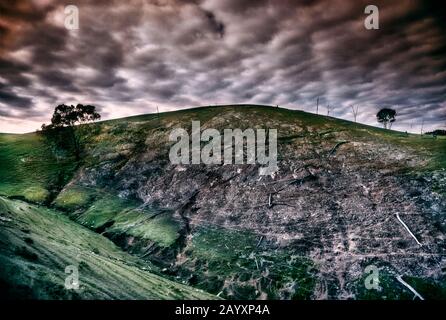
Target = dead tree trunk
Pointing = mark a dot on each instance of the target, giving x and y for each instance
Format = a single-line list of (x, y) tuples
[(355, 110)]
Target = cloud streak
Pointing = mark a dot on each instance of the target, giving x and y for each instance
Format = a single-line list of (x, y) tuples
[(128, 57)]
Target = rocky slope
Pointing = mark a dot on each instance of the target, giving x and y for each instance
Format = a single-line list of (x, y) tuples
[(306, 232)]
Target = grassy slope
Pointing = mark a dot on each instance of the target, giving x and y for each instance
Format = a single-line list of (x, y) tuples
[(37, 244), (29, 168)]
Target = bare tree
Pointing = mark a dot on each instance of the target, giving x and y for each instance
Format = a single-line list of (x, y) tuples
[(355, 110), (317, 105), (158, 115), (329, 108)]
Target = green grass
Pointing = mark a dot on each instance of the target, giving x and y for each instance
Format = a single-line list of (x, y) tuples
[(98, 209), (104, 210), (29, 168), (217, 254), (161, 229), (36, 194), (428, 288), (37, 244), (75, 197)]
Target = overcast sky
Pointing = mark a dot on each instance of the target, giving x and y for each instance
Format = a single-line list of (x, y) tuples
[(127, 57)]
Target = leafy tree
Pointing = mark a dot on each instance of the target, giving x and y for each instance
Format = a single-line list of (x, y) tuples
[(386, 116), (71, 119)]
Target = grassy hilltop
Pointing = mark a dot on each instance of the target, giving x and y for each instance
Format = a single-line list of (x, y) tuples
[(211, 227)]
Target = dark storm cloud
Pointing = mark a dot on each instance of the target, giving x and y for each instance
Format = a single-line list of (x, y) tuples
[(128, 57), (12, 72), (10, 98)]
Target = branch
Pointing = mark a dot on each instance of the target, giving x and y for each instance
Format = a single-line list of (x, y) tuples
[(284, 204), (260, 241), (333, 150), (407, 228), (400, 279)]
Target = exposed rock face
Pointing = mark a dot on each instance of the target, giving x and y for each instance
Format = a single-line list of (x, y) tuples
[(334, 201)]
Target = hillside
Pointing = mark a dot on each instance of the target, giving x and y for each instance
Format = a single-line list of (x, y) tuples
[(308, 232), (37, 244)]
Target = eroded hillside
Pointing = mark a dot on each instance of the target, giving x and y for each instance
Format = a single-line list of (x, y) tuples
[(306, 232)]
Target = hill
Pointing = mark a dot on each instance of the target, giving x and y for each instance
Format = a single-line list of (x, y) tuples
[(307, 232), (37, 244)]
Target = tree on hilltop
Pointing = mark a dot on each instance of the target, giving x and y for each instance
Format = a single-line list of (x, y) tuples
[(71, 119), (386, 116)]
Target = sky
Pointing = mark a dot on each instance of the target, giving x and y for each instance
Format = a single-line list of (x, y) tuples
[(128, 57)]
